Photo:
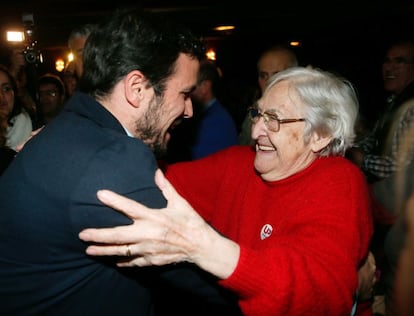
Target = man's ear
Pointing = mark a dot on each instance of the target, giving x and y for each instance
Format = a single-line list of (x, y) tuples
[(134, 84), (319, 142)]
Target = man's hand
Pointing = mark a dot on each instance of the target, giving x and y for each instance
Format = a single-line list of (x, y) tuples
[(32, 134)]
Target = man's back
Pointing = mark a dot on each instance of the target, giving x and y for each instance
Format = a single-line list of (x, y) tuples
[(48, 195)]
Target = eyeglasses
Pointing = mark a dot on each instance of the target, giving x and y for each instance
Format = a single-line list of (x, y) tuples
[(271, 120), (50, 93)]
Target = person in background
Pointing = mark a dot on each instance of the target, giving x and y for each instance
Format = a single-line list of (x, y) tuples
[(404, 280), (139, 71), (25, 77), (18, 122), (211, 128), (6, 153), (290, 217), (395, 194), (51, 92), (70, 79), (73, 70), (378, 152), (272, 60), (76, 43)]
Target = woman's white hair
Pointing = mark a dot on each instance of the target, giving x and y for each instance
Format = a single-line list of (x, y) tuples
[(330, 105)]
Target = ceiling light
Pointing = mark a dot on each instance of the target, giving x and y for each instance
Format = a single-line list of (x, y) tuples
[(222, 28)]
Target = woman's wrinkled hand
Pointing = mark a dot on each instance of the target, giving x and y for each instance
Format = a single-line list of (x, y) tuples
[(156, 236), (367, 278)]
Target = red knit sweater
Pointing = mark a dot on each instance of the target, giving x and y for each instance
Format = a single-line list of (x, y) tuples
[(301, 238)]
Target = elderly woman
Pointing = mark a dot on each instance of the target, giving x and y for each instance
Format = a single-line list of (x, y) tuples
[(292, 219)]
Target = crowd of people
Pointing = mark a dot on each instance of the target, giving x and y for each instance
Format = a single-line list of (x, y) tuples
[(31, 99), (156, 202)]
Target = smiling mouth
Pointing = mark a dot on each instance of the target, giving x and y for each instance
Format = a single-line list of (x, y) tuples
[(264, 148), (389, 75)]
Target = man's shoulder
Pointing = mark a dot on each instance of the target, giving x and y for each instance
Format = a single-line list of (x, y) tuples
[(406, 106), (405, 95)]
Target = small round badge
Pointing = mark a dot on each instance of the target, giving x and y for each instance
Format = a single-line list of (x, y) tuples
[(266, 231)]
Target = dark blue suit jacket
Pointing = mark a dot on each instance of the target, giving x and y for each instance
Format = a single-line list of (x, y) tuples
[(48, 195), (215, 131)]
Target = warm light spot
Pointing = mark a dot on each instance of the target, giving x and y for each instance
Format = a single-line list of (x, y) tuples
[(294, 43), (222, 28), (15, 36), (211, 54), (59, 64), (70, 57)]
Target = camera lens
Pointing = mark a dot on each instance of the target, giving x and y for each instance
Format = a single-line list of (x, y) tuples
[(30, 57)]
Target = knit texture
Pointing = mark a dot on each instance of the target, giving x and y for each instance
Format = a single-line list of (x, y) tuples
[(302, 238)]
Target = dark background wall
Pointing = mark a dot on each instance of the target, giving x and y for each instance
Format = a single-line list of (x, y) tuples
[(347, 37)]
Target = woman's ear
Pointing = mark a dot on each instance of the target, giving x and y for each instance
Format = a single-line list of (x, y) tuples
[(134, 87), (319, 142)]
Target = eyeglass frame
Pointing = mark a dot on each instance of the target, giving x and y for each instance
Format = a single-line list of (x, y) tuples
[(268, 117), (50, 93)]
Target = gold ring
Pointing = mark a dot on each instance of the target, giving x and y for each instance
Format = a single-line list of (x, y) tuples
[(128, 251)]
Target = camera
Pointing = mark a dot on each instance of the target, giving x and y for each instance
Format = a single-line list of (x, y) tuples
[(31, 53)]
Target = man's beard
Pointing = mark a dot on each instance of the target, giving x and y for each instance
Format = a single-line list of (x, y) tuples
[(146, 128)]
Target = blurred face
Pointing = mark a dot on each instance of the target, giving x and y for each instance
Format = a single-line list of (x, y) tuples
[(283, 153), (201, 95), (398, 69), (50, 100), (77, 45), (269, 64), (198, 93), (70, 79), (6, 95), (164, 113), (17, 58)]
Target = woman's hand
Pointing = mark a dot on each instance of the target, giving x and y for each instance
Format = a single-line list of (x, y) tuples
[(162, 236), (367, 278)]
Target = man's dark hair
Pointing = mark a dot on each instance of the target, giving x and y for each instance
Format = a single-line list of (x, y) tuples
[(135, 40), (80, 31)]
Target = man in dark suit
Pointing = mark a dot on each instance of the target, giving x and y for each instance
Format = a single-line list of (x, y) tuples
[(105, 137)]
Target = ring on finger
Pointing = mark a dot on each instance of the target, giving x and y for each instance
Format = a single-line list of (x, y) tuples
[(128, 251)]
